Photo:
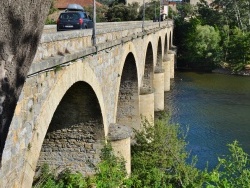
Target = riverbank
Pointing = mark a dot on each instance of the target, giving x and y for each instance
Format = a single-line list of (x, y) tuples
[(245, 72), (221, 70)]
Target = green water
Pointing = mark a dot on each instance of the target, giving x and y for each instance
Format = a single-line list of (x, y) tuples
[(215, 107)]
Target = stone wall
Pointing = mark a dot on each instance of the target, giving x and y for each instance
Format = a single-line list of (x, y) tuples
[(128, 101), (112, 83), (76, 133)]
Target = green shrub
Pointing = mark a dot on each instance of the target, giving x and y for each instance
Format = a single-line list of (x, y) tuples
[(158, 161), (111, 170), (232, 171), (159, 157)]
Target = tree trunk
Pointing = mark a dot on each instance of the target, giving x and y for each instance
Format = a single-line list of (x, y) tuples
[(21, 24)]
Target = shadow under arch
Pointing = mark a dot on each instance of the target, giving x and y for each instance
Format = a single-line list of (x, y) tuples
[(166, 45), (170, 40), (75, 135), (128, 97), (149, 66), (159, 54), (76, 72)]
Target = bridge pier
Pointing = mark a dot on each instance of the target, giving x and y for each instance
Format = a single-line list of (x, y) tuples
[(166, 66), (171, 55), (119, 136), (147, 104), (108, 78), (159, 90)]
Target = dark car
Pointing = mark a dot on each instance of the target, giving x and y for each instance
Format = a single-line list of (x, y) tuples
[(74, 20)]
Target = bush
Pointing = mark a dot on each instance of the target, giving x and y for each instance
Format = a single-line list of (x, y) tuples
[(159, 157), (111, 170), (158, 161), (232, 170)]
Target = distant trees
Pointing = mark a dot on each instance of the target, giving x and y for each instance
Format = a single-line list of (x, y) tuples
[(203, 45), (158, 159), (101, 12), (229, 19), (121, 12)]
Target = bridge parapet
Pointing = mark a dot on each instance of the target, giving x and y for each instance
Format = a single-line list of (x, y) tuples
[(69, 45), (115, 80)]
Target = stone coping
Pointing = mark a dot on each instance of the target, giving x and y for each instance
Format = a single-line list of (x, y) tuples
[(65, 59), (117, 24), (109, 27), (119, 132)]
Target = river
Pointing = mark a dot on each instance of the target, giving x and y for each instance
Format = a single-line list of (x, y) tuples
[(216, 108)]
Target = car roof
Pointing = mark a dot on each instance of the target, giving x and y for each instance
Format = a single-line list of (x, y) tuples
[(74, 7)]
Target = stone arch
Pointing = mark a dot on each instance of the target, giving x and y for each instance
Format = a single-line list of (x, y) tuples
[(128, 96), (75, 135), (166, 45), (78, 71), (149, 66), (170, 40), (159, 54)]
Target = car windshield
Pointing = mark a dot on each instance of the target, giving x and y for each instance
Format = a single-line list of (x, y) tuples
[(69, 16)]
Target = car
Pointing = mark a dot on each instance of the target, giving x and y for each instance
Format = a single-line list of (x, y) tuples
[(74, 18)]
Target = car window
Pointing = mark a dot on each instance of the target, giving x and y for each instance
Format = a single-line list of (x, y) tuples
[(69, 16), (84, 15)]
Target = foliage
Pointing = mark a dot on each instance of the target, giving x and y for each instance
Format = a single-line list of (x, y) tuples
[(236, 13), (111, 170), (171, 13), (158, 161), (101, 12), (152, 10), (203, 45), (208, 15), (238, 49), (232, 171), (66, 178), (121, 12), (185, 10), (49, 21), (221, 34), (110, 173), (52, 9), (159, 157)]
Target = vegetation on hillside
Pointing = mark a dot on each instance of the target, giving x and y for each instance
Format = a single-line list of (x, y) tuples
[(115, 11), (159, 161), (213, 35)]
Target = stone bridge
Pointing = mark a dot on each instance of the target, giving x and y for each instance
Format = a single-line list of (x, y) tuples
[(78, 95)]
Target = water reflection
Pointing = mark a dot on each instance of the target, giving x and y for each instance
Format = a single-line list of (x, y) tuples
[(216, 108)]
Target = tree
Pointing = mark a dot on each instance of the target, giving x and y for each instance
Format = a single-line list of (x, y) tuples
[(152, 10), (238, 49), (203, 45), (101, 12), (121, 12), (22, 24), (237, 12)]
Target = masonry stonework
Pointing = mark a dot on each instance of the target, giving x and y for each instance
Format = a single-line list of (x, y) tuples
[(45, 122)]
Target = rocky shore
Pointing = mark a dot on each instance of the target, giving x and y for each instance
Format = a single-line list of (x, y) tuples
[(245, 72)]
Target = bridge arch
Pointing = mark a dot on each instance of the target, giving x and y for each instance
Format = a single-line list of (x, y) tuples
[(149, 67), (128, 96), (166, 45), (75, 135), (159, 53), (170, 39), (78, 71)]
